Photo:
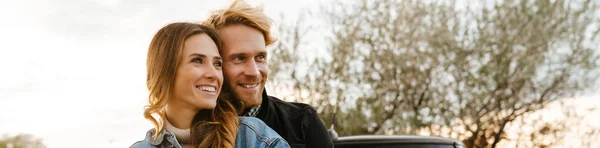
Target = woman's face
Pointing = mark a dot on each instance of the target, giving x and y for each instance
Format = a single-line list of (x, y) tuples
[(199, 77)]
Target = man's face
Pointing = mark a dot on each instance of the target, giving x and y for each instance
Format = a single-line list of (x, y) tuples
[(245, 63)]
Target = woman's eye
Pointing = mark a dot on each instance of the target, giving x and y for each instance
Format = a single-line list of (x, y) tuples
[(197, 60), (218, 64)]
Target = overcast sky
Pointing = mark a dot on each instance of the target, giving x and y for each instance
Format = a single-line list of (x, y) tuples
[(73, 71)]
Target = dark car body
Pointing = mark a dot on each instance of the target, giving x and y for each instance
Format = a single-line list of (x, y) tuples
[(395, 141)]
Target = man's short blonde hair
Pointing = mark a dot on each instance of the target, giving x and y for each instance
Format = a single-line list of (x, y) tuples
[(241, 12)]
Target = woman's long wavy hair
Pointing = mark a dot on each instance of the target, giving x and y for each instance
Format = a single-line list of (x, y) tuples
[(210, 128)]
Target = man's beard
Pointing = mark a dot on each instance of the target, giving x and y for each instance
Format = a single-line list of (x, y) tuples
[(242, 102)]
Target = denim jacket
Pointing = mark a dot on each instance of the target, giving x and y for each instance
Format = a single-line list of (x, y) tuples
[(252, 133)]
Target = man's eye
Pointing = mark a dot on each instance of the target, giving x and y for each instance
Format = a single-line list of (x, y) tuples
[(197, 60), (261, 58), (240, 58)]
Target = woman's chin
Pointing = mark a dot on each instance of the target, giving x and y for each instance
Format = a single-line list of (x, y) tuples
[(207, 105)]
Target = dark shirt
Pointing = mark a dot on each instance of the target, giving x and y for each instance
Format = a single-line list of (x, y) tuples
[(298, 123)]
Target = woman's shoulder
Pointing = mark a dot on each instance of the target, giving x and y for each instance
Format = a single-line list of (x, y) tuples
[(145, 143), (251, 121), (254, 132), (164, 139), (141, 144), (258, 126)]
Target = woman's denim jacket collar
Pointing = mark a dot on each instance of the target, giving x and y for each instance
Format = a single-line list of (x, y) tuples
[(252, 133)]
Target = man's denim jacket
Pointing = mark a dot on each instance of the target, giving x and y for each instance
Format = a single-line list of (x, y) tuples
[(252, 133)]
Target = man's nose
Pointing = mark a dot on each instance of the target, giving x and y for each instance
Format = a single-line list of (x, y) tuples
[(251, 69)]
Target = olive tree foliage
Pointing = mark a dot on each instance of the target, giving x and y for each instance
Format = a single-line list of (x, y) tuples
[(21, 141), (471, 72)]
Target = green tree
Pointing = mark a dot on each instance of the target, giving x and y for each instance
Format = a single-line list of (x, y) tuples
[(470, 73)]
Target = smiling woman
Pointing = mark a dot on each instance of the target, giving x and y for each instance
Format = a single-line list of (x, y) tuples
[(184, 78)]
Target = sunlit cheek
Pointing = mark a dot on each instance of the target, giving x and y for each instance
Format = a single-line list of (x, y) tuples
[(198, 72), (236, 70), (220, 78), (264, 69)]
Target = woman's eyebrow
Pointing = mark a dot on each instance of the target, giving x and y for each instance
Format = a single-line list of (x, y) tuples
[(204, 56), (197, 54)]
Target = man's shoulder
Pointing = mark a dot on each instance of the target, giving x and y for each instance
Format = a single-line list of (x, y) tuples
[(290, 106)]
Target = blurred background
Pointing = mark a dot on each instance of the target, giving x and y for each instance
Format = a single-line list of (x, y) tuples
[(490, 73)]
